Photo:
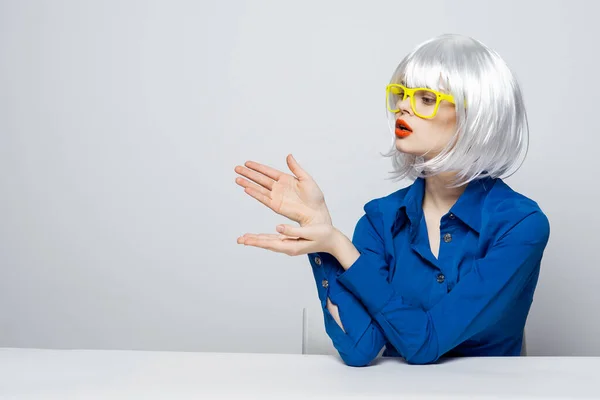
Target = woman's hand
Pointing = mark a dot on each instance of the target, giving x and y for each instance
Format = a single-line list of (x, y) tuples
[(298, 197), (295, 241)]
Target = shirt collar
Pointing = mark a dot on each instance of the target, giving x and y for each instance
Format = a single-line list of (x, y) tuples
[(411, 206), (467, 207)]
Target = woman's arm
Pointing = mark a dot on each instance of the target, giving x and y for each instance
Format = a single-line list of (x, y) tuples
[(346, 256), (353, 332), (476, 302)]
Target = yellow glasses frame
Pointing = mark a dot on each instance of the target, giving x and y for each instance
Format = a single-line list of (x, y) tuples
[(439, 96)]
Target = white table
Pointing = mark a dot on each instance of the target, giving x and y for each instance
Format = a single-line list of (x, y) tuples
[(99, 374)]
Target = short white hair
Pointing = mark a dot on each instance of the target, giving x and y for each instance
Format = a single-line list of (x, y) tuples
[(492, 135)]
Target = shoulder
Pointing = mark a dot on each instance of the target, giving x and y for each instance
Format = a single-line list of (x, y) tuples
[(505, 211), (380, 212), (386, 204)]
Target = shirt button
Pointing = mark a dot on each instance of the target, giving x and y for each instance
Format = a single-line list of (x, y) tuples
[(325, 283), (441, 278), (452, 216), (447, 238), (318, 260)]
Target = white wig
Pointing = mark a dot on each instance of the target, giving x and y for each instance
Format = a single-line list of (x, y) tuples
[(492, 134)]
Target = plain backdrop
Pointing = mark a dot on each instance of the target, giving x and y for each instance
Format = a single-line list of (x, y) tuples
[(121, 123)]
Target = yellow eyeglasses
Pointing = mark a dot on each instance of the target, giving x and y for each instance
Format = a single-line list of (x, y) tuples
[(424, 102)]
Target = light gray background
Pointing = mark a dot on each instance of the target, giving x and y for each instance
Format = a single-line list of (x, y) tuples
[(121, 123)]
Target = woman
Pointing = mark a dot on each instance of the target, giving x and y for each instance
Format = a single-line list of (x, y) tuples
[(448, 265)]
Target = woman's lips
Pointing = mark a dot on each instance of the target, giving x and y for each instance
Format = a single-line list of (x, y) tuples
[(401, 133), (402, 128)]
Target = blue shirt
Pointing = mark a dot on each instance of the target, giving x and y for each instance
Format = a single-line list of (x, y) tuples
[(472, 300)]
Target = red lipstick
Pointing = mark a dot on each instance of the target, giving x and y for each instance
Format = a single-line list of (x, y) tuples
[(402, 128)]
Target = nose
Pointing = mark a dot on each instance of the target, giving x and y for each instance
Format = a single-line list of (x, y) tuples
[(404, 106)]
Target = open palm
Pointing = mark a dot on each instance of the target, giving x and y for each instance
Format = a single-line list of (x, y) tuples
[(297, 197)]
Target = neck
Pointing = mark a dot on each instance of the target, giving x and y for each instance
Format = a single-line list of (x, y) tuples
[(438, 195)]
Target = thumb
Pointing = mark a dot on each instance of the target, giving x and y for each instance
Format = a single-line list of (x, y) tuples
[(296, 168), (296, 231)]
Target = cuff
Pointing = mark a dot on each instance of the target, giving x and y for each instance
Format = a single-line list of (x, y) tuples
[(325, 268), (365, 281), (353, 315)]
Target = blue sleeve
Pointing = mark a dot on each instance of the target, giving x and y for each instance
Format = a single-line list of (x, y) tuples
[(476, 302), (363, 338)]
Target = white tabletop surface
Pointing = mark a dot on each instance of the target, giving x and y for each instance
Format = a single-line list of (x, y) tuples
[(100, 374)]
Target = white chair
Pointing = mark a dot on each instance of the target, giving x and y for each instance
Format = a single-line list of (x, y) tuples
[(314, 338)]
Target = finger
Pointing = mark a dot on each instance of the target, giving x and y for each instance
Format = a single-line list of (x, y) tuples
[(246, 236), (264, 236), (289, 247), (296, 168), (263, 169), (296, 231), (268, 244), (247, 184), (268, 236), (258, 195), (259, 178), (242, 239)]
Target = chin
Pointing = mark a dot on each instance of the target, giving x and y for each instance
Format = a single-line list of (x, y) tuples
[(412, 145), (403, 145)]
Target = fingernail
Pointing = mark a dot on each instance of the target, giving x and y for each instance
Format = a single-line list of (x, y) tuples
[(279, 228)]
